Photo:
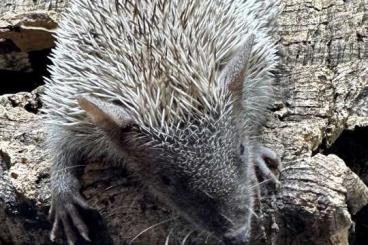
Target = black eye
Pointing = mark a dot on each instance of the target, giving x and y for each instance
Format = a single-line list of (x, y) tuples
[(241, 149), (166, 180)]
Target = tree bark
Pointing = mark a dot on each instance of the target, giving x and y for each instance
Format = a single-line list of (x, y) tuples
[(323, 93)]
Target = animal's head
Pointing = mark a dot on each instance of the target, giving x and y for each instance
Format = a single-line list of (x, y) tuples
[(201, 167), (206, 178)]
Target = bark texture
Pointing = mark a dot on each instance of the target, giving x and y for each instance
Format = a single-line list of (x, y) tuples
[(323, 97)]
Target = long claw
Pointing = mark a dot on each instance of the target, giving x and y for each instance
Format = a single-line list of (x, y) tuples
[(64, 212), (54, 230), (51, 215), (81, 201), (78, 222), (85, 236), (69, 233)]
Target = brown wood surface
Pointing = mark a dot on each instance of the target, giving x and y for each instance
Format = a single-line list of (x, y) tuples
[(323, 91)]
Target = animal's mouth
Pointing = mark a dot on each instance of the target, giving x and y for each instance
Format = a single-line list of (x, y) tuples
[(220, 228)]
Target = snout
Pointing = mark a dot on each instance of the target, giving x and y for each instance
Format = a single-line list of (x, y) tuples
[(239, 237)]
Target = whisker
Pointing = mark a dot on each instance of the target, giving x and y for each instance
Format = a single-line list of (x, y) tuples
[(151, 227), (133, 202), (186, 237), (168, 237), (251, 211), (260, 183), (114, 186), (227, 218), (209, 234)]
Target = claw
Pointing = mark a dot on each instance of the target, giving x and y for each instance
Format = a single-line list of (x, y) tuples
[(270, 157), (81, 201), (69, 233), (267, 157), (85, 237), (51, 215), (55, 228), (78, 222), (65, 214)]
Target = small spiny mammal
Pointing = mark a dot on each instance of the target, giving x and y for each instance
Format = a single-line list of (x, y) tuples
[(176, 89)]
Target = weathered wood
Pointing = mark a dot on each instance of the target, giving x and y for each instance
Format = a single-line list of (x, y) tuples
[(29, 24), (324, 90)]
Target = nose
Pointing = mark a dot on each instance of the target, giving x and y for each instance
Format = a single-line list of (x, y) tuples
[(236, 238)]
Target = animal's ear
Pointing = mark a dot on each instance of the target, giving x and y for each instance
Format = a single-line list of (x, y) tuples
[(109, 117), (235, 72)]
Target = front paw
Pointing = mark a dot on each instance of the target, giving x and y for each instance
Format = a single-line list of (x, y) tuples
[(64, 213), (266, 159)]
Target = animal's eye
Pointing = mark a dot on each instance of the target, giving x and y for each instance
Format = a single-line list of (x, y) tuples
[(166, 180), (241, 149)]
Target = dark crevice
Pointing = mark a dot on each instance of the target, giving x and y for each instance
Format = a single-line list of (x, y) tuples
[(8, 46), (321, 148), (360, 236), (32, 104), (360, 37), (26, 81), (27, 211), (42, 178), (39, 61), (5, 161), (352, 147), (16, 81)]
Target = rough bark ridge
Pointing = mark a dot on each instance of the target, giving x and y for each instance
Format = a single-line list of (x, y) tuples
[(324, 93)]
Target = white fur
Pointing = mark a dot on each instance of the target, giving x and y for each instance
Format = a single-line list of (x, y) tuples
[(169, 72)]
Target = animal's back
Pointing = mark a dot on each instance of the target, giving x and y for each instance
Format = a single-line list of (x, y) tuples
[(159, 59)]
